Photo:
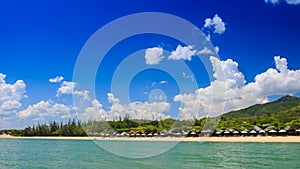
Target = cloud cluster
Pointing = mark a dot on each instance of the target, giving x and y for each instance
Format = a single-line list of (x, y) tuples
[(57, 79), (154, 55), (289, 2), (182, 53), (216, 23), (11, 95), (44, 109), (135, 110), (89, 109), (67, 88), (205, 50), (229, 90)]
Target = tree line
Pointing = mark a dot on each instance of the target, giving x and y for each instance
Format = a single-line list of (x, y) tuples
[(127, 125), (71, 128)]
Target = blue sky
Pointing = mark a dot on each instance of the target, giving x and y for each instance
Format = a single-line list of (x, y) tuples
[(42, 40)]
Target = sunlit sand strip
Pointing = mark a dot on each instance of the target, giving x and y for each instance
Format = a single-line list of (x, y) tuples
[(5, 136)]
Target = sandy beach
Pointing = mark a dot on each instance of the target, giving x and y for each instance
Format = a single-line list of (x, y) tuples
[(6, 136), (291, 139)]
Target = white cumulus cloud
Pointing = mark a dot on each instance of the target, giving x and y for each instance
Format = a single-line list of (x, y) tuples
[(205, 50), (44, 109), (289, 2), (135, 110), (183, 52), (57, 79), (216, 23), (66, 88), (154, 55), (229, 91), (11, 95), (293, 2), (272, 1)]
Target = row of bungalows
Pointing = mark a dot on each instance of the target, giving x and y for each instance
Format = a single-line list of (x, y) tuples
[(205, 133), (261, 132), (139, 134)]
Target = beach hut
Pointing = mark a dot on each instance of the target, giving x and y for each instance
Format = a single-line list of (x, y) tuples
[(262, 132), (244, 133), (297, 132), (282, 132), (206, 133), (177, 134), (185, 133), (162, 134), (137, 134), (193, 134), (253, 133), (143, 134), (227, 133), (272, 132), (149, 134), (236, 133), (218, 133)]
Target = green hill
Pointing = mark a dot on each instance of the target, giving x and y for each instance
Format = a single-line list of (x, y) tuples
[(282, 104), (277, 114)]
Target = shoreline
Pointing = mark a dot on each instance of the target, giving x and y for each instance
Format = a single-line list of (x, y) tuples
[(263, 139)]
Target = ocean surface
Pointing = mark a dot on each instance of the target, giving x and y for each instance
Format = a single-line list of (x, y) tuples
[(39, 153)]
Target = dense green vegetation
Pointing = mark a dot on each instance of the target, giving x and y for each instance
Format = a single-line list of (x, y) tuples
[(72, 128), (274, 115)]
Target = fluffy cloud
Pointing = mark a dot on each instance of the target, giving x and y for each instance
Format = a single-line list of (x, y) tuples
[(272, 1), (57, 79), (217, 49), (293, 2), (289, 2), (205, 50), (69, 88), (138, 110), (94, 112), (154, 55), (135, 110), (11, 105), (275, 81), (44, 109), (184, 53), (227, 71), (11, 95), (216, 23), (229, 90), (66, 88), (111, 99)]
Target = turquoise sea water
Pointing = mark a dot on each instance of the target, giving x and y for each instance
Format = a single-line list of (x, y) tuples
[(38, 153)]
